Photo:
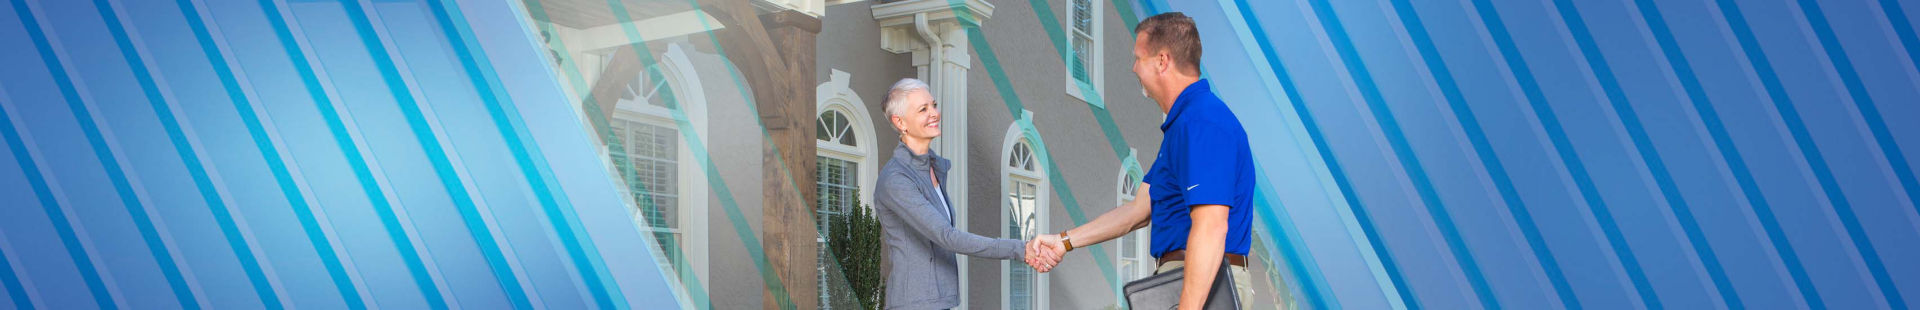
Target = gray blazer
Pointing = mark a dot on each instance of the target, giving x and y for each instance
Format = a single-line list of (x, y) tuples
[(920, 236)]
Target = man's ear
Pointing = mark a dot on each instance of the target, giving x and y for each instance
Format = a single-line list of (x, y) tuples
[(1162, 62)]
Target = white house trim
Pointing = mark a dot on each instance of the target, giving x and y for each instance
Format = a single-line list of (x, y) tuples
[(678, 70), (1096, 67), (836, 95), (1014, 136)]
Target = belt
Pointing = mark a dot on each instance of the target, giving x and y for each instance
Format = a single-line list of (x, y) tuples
[(1181, 255)]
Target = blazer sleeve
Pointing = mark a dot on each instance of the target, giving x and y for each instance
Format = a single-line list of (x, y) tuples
[(922, 215)]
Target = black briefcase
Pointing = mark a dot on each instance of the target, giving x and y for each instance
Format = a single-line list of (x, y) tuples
[(1162, 291)]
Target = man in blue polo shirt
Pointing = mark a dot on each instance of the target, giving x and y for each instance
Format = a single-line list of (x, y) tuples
[(1201, 184)]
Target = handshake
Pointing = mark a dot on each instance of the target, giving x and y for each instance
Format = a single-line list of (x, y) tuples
[(1045, 251)]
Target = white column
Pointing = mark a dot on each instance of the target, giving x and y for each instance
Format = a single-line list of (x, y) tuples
[(932, 31)]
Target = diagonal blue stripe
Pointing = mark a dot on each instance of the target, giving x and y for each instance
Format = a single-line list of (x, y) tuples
[(1482, 149), (1325, 152), (1556, 134), (1563, 147), (1729, 154), (1803, 140), (123, 187), (282, 175), (566, 225), (1403, 151), (1286, 235), (170, 123), (1296, 249), (358, 163), (10, 280), (1610, 85), (1902, 28), (62, 226), (411, 109), (1842, 65)]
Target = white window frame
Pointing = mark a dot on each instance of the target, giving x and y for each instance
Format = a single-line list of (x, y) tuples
[(1138, 237), (1096, 65), (836, 96), (1042, 289), (678, 70)]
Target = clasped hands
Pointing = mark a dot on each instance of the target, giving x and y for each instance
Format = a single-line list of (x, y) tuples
[(1045, 252)]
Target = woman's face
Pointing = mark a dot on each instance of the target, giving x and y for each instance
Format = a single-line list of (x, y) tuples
[(921, 117)]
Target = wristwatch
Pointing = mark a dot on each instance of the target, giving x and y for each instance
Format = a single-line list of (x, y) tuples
[(1066, 240)]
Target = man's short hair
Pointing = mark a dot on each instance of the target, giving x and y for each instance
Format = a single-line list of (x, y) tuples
[(1174, 33)]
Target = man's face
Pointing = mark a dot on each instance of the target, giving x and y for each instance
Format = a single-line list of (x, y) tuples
[(1146, 66), (921, 118)]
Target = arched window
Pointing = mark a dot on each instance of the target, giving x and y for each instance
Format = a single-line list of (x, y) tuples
[(655, 164), (1024, 188), (845, 170), (1136, 261)]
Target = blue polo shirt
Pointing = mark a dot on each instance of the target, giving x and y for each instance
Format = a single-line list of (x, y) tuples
[(1204, 160)]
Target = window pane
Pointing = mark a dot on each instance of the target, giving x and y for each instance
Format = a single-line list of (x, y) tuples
[(1022, 223), (1082, 58)]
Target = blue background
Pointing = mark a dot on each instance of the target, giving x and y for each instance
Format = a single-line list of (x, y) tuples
[(1422, 154)]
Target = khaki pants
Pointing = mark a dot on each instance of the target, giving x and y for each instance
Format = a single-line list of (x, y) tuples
[(1242, 282)]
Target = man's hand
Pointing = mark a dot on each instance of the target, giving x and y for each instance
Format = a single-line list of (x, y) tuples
[(1045, 251)]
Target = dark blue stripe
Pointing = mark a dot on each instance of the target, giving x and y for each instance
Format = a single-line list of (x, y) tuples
[(1483, 149), (1903, 29), (1643, 145), (1870, 114), (189, 157), (8, 279), (1783, 104), (1729, 154), (1409, 162), (1333, 163), (55, 213), (143, 222), (1576, 169), (282, 175), (442, 166), (1297, 259), (586, 259), (359, 165)]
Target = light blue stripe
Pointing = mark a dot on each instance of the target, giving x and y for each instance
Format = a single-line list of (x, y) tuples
[(170, 123), (586, 259), (1401, 294), (1783, 105), (1483, 150), (1298, 254), (1550, 124), (1729, 154), (411, 109), (122, 186), (8, 279), (283, 176), (1410, 164), (358, 163), (1610, 85), (1864, 102), (75, 251), (1292, 248)]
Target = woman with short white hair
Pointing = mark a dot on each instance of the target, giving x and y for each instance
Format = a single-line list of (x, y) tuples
[(915, 214)]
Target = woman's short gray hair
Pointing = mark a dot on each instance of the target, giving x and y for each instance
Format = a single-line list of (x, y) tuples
[(897, 96)]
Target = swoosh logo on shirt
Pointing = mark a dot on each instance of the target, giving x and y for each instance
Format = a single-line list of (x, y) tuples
[(1191, 187)]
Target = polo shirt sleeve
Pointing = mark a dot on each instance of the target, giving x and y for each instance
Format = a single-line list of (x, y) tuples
[(1209, 165)]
